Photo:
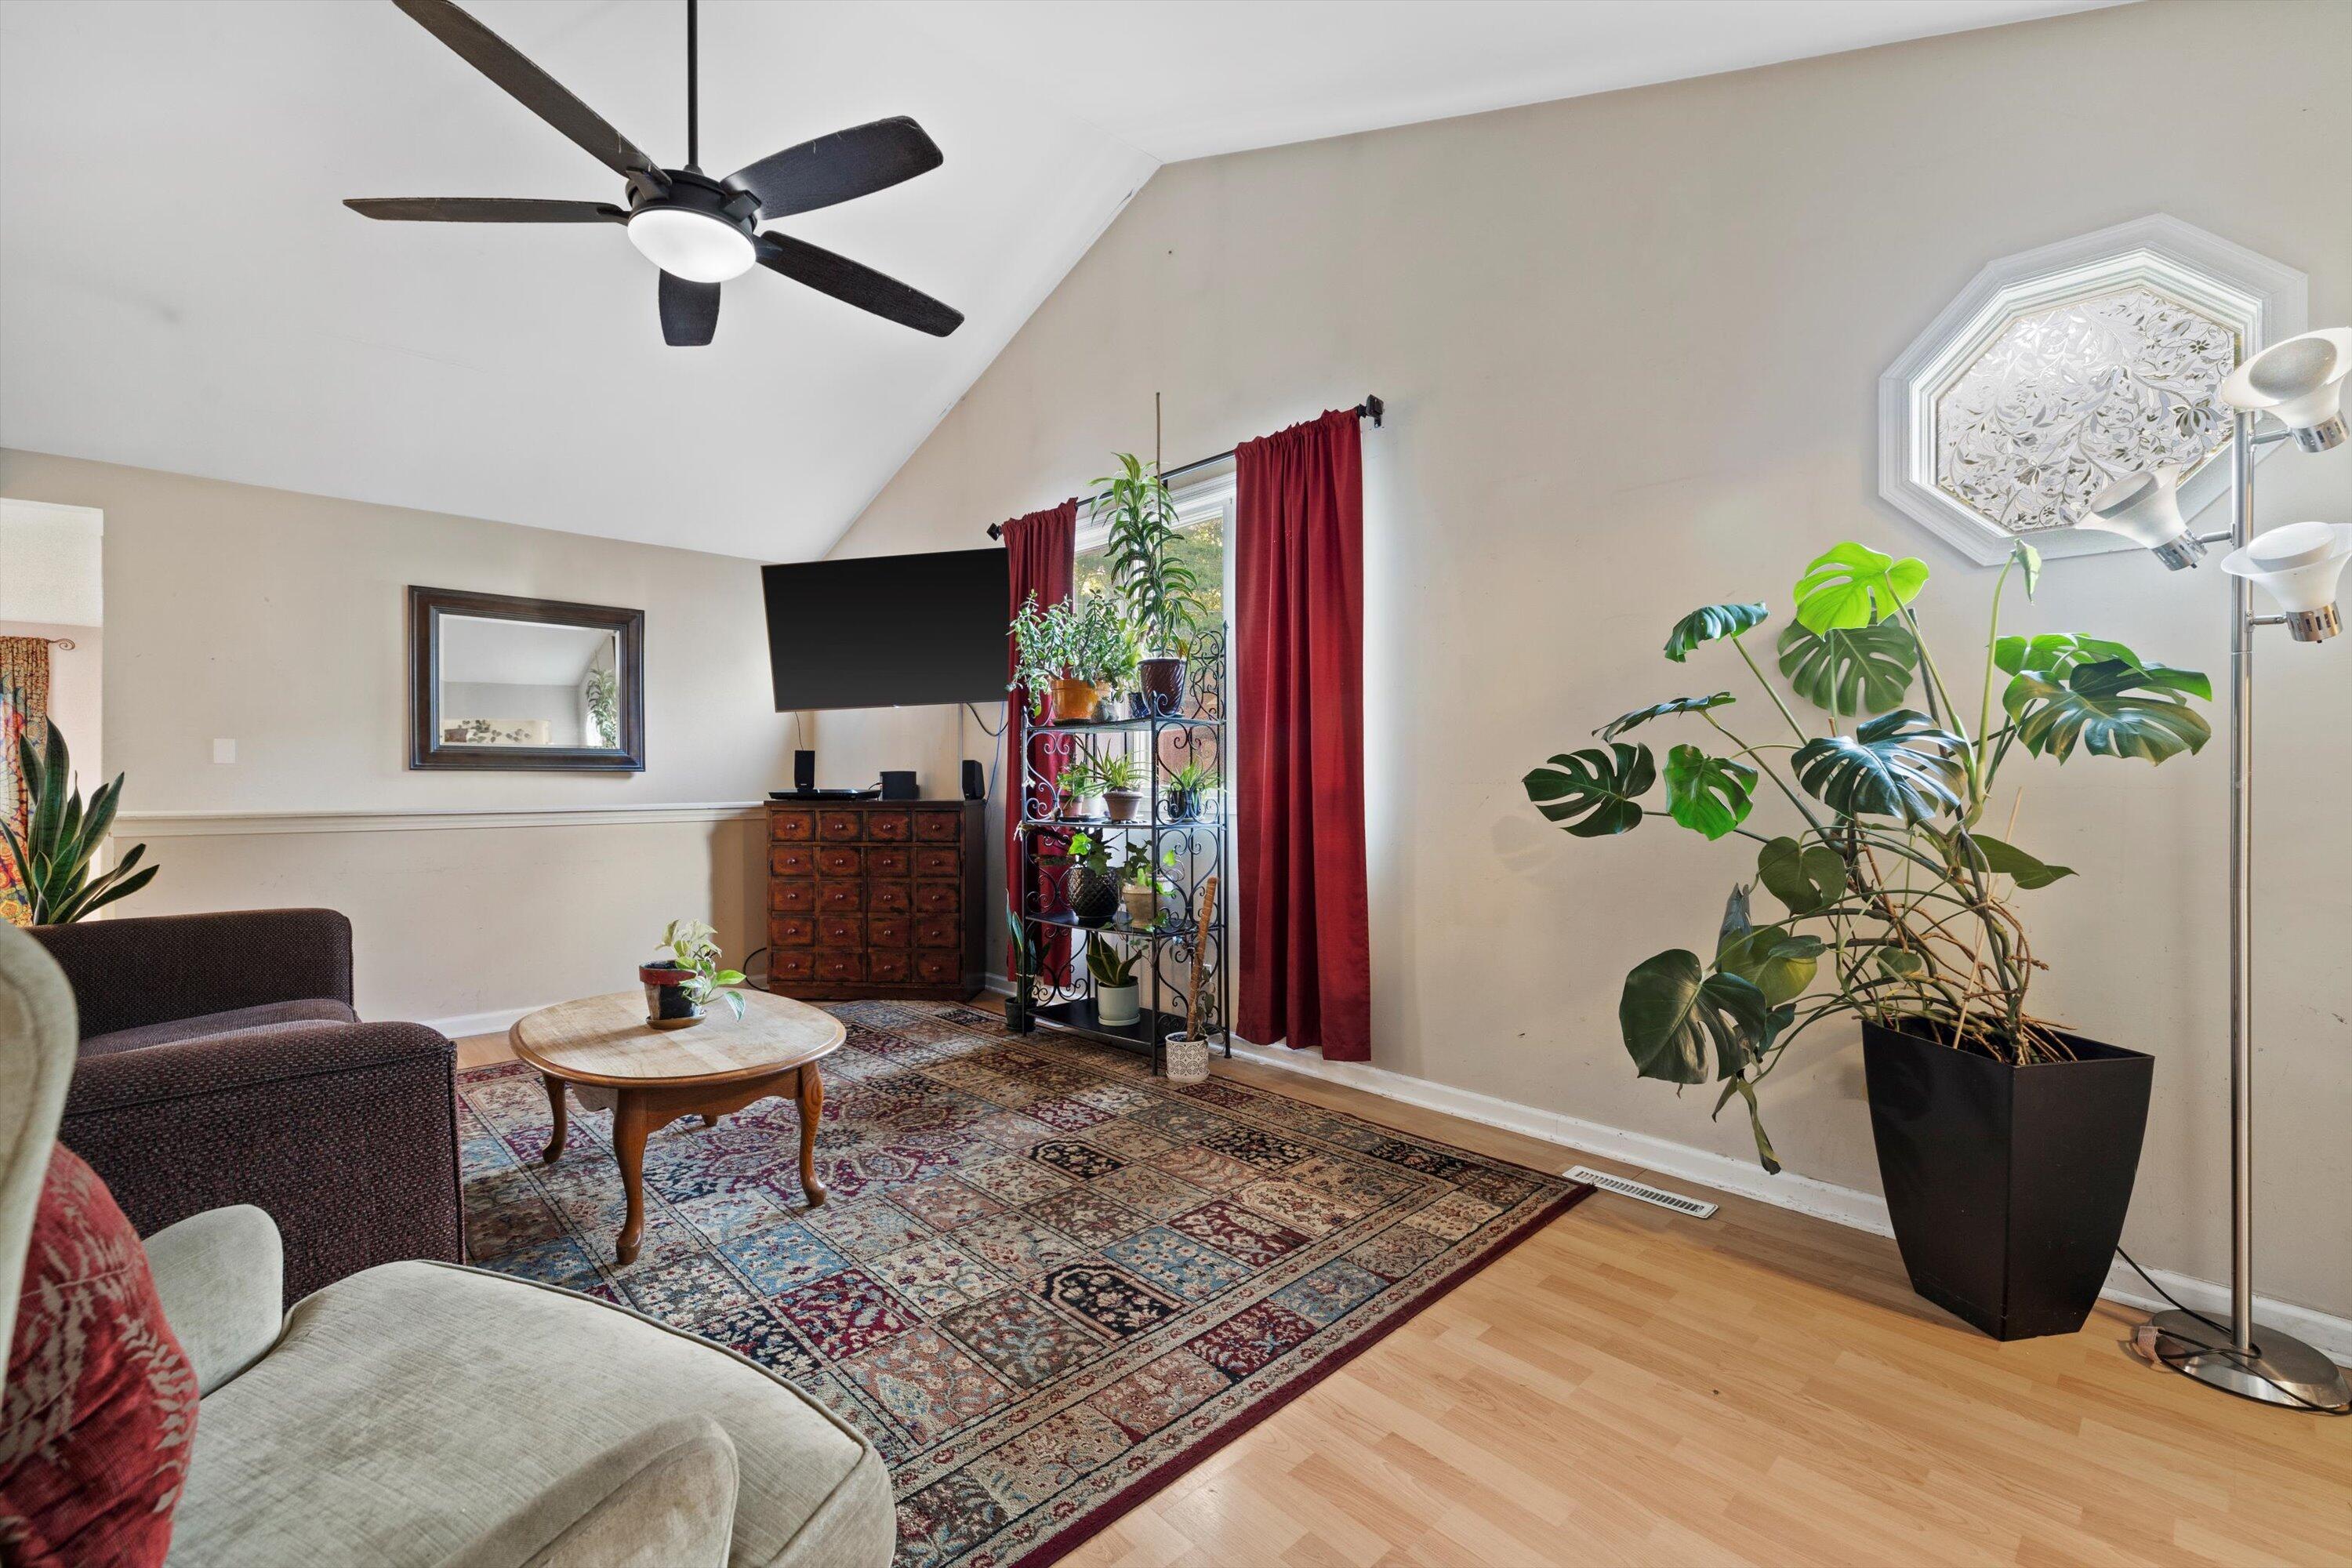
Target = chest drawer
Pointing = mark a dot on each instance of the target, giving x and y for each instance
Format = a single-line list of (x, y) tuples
[(787, 964), (888, 826), (933, 862), (938, 828), (881, 862), (937, 968), (837, 826), (887, 966), (839, 967), (891, 898), (789, 826), (840, 898), (837, 860), (936, 898), (792, 860), (840, 930), (890, 931), (792, 895), (939, 932), (792, 931)]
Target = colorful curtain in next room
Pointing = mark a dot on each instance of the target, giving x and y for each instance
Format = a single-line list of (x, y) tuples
[(24, 709), (1044, 550), (1299, 576)]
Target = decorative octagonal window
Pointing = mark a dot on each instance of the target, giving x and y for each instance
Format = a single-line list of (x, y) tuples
[(2061, 369)]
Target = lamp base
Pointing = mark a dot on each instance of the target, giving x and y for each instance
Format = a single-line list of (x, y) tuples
[(2280, 1370)]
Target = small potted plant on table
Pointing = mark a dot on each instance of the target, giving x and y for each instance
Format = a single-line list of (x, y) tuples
[(1068, 656), (1118, 996), (1073, 790), (1187, 791), (1161, 595), (1115, 775), (2006, 1146), (679, 988)]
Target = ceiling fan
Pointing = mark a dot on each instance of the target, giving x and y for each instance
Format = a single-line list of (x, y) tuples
[(699, 231)]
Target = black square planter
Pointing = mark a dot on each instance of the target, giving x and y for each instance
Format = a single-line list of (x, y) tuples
[(2007, 1186)]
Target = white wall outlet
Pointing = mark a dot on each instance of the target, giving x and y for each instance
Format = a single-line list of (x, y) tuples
[(224, 751)]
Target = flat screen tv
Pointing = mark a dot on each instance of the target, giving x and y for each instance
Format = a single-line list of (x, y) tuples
[(889, 631)]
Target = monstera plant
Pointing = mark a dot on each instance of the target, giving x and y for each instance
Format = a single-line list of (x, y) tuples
[(1898, 906)]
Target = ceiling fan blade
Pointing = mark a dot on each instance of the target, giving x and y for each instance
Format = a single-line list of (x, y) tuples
[(854, 283), (689, 311), (851, 162), (483, 209), (533, 88)]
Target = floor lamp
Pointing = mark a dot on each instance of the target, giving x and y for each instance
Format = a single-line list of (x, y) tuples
[(2299, 382)]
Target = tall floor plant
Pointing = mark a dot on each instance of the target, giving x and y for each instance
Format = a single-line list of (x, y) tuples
[(1899, 903), (62, 836)]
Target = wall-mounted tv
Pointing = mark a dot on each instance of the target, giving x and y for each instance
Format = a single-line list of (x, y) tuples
[(889, 631)]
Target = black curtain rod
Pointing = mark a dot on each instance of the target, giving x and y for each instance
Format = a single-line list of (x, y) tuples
[(1370, 408)]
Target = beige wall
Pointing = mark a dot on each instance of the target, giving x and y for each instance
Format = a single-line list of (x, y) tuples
[(276, 620), (1630, 346)]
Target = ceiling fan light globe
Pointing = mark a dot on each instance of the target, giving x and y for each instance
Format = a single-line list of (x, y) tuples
[(2299, 382), (691, 245), (2146, 508)]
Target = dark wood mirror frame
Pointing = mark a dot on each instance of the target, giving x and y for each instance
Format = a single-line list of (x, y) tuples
[(426, 748)]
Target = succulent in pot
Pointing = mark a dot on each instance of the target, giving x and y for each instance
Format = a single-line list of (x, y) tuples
[(1187, 791), (1159, 594), (680, 988), (1118, 996), (1116, 775), (1067, 658), (2006, 1144)]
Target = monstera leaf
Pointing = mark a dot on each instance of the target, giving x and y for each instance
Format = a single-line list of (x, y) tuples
[(1897, 764), (1707, 625), (1674, 1015), (1708, 795), (1986, 853), (1778, 963), (2111, 707), (1672, 705), (1747, 1091), (1851, 586), (1593, 793), (1808, 878), (1851, 670)]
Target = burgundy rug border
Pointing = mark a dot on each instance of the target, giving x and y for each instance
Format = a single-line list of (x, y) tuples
[(1104, 1514)]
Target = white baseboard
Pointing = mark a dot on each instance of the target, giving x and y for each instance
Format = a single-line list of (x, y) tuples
[(496, 1022), (1824, 1200), (251, 824)]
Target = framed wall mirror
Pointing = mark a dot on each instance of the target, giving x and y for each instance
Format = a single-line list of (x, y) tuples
[(501, 683)]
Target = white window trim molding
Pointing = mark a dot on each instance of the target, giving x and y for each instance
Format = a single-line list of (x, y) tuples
[(2263, 299)]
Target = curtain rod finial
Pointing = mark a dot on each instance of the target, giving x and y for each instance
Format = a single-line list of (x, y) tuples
[(1372, 408)]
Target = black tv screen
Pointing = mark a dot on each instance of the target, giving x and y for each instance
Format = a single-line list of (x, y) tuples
[(889, 631)]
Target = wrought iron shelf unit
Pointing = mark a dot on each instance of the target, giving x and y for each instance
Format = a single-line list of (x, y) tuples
[(1053, 987)]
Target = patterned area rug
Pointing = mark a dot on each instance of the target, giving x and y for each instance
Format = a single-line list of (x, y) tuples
[(1046, 1283)]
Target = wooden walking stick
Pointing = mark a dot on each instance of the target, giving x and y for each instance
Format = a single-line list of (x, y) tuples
[(1200, 948)]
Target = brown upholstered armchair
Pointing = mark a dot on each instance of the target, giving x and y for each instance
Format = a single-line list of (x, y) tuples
[(220, 1063)]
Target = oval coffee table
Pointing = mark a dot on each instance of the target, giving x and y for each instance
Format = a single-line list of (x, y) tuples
[(656, 1076)]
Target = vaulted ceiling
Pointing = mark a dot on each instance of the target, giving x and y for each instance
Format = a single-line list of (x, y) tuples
[(180, 288)]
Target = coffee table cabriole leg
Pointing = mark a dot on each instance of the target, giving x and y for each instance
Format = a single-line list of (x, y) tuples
[(555, 1105), (812, 1098), (630, 1125)]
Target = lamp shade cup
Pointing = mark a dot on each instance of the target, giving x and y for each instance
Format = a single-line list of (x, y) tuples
[(2300, 384), (2299, 565), (2145, 508)]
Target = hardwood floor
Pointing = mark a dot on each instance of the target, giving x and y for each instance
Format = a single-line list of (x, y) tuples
[(1630, 1386)]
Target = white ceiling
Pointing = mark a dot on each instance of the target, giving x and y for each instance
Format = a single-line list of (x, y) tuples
[(180, 288)]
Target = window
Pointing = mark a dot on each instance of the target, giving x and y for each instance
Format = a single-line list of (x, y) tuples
[(1205, 515)]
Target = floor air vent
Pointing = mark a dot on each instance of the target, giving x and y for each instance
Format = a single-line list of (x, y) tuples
[(1648, 1194)]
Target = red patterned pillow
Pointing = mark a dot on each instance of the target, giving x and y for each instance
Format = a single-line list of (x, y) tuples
[(100, 1408)]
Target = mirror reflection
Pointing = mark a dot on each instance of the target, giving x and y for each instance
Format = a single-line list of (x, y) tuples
[(529, 684)]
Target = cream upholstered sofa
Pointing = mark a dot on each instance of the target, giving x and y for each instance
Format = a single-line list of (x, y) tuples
[(428, 1416)]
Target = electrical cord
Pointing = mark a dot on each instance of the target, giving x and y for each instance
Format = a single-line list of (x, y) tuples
[(2180, 1364)]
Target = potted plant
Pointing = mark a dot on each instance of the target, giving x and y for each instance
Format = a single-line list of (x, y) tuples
[(1161, 595), (48, 864), (1115, 775), (1188, 790), (1068, 656), (679, 988), (1141, 887), (2007, 1145), (1093, 884), (1073, 789), (1117, 995)]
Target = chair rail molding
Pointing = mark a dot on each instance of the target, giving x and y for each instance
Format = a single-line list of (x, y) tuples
[(231, 823), (2058, 369)]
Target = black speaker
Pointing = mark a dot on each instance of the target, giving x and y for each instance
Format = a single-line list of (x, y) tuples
[(975, 781), (805, 771), (898, 786)]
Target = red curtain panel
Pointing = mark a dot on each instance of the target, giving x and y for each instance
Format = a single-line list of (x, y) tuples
[(1044, 550), (1298, 538)]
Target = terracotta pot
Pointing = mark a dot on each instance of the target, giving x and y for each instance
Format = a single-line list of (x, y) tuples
[(1162, 680), (1121, 805), (1074, 702)]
